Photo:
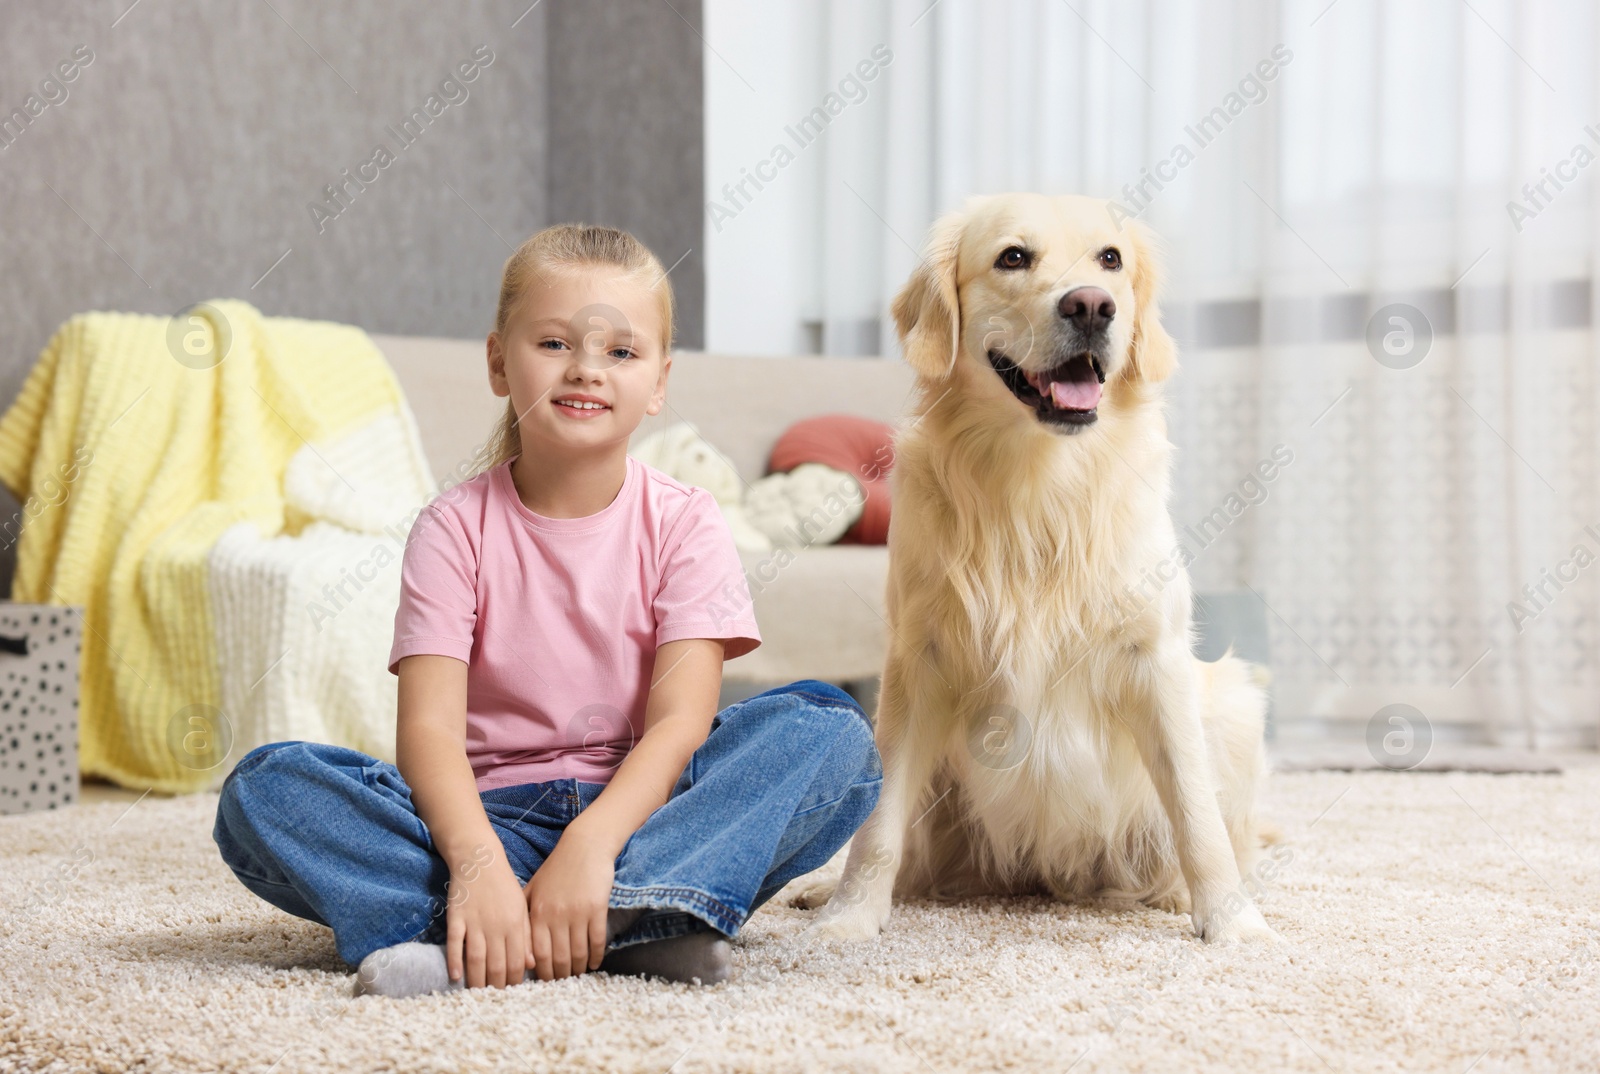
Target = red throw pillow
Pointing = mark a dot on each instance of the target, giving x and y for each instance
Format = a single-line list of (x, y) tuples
[(861, 447)]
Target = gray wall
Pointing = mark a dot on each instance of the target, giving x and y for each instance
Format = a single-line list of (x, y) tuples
[(626, 107), (181, 163)]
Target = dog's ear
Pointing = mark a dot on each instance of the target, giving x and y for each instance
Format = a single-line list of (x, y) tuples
[(927, 311), (1154, 355)]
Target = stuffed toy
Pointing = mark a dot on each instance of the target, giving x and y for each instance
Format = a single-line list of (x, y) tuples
[(828, 481), (680, 452)]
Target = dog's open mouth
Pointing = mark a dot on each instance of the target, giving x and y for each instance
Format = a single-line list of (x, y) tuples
[(1066, 394)]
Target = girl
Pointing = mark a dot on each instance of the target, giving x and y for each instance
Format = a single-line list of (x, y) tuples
[(567, 796)]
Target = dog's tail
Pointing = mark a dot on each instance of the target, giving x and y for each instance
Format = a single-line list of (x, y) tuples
[(1257, 673)]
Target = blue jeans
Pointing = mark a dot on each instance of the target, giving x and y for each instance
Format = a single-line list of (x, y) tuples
[(782, 781)]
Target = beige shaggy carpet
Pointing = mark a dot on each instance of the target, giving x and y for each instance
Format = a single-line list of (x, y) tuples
[(1445, 922)]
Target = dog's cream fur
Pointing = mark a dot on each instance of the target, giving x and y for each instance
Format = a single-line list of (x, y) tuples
[(1043, 724)]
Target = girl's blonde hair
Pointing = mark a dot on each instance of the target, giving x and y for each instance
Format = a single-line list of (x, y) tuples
[(565, 247)]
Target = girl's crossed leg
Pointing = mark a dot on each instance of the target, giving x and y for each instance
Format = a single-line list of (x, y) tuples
[(782, 781)]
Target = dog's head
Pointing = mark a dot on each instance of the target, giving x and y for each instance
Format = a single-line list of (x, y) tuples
[(1047, 292)]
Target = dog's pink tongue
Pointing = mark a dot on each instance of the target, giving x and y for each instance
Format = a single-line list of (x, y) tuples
[(1075, 394)]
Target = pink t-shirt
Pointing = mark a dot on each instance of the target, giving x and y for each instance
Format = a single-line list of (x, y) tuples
[(558, 619)]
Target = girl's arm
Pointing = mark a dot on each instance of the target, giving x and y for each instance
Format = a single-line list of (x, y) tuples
[(431, 753), (569, 894), (487, 923)]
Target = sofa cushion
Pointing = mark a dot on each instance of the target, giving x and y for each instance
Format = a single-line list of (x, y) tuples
[(821, 611), (863, 448)]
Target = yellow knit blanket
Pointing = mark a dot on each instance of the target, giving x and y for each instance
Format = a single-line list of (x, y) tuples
[(135, 442)]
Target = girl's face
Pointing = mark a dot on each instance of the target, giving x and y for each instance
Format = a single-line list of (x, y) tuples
[(585, 334)]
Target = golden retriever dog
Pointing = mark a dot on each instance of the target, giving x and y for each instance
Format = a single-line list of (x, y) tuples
[(1044, 725)]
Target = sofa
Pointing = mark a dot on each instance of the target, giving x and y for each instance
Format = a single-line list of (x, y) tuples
[(821, 613)]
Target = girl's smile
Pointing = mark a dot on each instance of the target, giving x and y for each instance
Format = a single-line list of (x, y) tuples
[(580, 406)]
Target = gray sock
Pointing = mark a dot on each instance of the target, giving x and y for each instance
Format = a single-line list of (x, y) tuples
[(619, 920), (695, 957), (405, 969)]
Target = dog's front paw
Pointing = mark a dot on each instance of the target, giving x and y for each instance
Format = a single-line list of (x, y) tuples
[(853, 924), (856, 912), (1244, 925)]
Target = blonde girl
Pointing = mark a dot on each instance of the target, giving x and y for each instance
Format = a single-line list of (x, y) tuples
[(567, 796)]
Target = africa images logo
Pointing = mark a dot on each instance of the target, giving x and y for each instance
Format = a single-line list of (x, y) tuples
[(340, 196)]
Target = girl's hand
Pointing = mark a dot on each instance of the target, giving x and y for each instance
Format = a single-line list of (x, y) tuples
[(487, 926), (567, 898)]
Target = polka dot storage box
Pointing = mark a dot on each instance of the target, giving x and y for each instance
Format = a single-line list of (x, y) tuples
[(39, 647)]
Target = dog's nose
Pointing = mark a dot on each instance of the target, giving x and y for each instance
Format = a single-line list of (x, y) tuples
[(1090, 308)]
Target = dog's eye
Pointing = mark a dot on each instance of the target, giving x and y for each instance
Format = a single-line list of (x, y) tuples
[(1110, 259), (1013, 257)]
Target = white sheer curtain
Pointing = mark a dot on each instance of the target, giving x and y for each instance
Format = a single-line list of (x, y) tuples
[(1436, 157)]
